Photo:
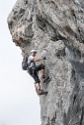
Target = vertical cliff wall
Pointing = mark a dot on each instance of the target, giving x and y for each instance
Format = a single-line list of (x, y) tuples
[(56, 29)]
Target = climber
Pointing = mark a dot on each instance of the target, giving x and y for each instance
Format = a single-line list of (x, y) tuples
[(33, 71)]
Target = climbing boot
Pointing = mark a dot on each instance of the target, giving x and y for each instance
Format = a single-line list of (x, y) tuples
[(41, 92)]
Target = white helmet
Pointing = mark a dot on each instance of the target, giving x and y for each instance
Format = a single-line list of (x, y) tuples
[(33, 51)]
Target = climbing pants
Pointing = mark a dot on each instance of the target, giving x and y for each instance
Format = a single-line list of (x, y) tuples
[(33, 71)]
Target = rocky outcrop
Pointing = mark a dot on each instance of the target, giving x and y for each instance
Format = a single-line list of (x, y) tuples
[(56, 29)]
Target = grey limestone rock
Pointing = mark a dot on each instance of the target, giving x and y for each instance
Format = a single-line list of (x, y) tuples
[(56, 29)]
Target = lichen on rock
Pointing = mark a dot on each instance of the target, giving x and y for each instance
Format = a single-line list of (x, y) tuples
[(56, 29)]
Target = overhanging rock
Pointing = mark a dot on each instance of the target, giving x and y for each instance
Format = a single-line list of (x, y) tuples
[(56, 29)]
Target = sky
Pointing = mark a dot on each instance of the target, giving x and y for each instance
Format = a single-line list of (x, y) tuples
[(19, 103)]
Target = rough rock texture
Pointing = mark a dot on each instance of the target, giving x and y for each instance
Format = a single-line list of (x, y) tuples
[(56, 29)]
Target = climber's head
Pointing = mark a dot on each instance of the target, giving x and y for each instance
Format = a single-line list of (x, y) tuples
[(33, 52)]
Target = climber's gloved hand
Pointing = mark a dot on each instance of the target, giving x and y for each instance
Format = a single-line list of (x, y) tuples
[(44, 58)]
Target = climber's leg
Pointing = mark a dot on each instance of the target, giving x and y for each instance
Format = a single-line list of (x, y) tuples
[(34, 74), (37, 84), (42, 68), (39, 90), (43, 72)]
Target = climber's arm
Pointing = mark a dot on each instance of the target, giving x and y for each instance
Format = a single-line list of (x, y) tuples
[(38, 59)]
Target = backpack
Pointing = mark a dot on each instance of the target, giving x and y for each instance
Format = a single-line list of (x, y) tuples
[(24, 63)]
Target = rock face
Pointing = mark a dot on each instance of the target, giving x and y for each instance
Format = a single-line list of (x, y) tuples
[(56, 29)]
